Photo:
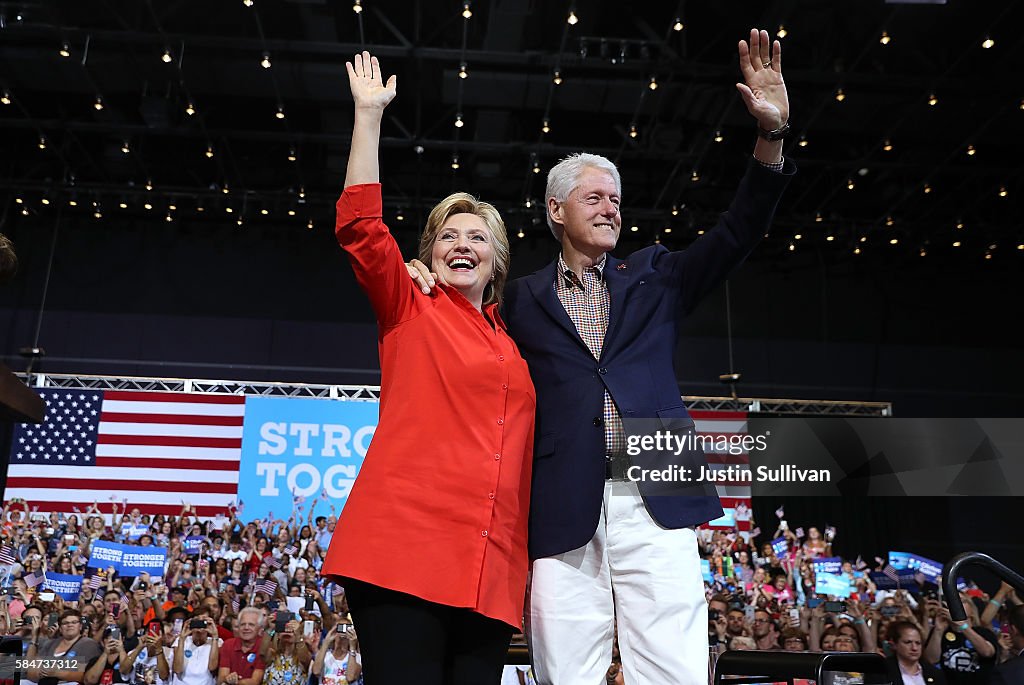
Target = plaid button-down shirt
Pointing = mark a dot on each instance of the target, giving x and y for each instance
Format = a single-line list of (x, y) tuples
[(587, 303)]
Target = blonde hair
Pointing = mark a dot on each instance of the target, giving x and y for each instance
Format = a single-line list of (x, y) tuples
[(464, 203)]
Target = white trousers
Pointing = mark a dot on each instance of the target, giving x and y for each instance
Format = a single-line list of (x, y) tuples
[(636, 572)]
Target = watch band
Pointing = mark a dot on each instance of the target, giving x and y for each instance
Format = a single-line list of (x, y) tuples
[(777, 134)]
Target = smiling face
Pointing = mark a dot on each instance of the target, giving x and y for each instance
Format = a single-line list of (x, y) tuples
[(589, 216), (463, 255)]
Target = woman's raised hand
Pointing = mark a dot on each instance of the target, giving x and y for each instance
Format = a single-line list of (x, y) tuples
[(368, 88)]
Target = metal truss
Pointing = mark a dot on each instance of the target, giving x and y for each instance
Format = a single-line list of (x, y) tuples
[(371, 393)]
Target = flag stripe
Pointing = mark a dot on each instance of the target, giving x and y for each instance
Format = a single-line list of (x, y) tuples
[(70, 474), (187, 398), (157, 463), (47, 506), (191, 419), (165, 452), (193, 409), (101, 485), (175, 441), (68, 498), (163, 430)]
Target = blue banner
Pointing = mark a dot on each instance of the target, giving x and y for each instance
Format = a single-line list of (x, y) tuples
[(127, 560), (780, 547), (899, 560), (705, 570), (68, 587), (294, 450), (833, 565), (193, 544), (831, 584), (931, 570), (726, 520)]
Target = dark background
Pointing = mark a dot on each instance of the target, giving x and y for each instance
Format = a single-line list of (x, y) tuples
[(926, 325)]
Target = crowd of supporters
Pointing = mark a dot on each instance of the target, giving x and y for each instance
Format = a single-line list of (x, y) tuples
[(243, 603)]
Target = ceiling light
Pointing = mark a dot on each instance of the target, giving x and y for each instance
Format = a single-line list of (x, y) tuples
[(148, 205), (959, 224), (5, 98), (265, 62), (798, 236), (885, 39), (634, 228), (45, 200), (309, 224), (956, 243), (818, 218), (528, 203), (792, 247), (803, 141), (72, 202), (462, 71), (458, 121), (190, 109), (65, 49), (927, 188), (98, 103), (653, 83), (225, 189), (678, 26), (302, 192), (173, 207), (209, 151), (399, 216), (520, 234), (455, 161), (558, 78), (894, 241), (124, 147), (19, 201), (694, 176), (123, 205), (830, 237), (572, 19), (850, 185), (675, 210), (280, 112), (264, 212), (291, 212), (239, 222), (545, 127), (466, 12), (988, 43), (887, 145), (247, 3), (291, 154), (1002, 191), (632, 131), (668, 229), (840, 95), (536, 167), (166, 57), (357, 6), (971, 151), (149, 184), (889, 221), (782, 32), (229, 209), (169, 218), (933, 99), (719, 137), (42, 142)]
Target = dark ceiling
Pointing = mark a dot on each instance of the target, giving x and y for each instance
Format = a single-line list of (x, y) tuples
[(676, 176)]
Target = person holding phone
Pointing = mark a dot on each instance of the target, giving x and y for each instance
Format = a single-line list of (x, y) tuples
[(336, 661), (107, 667), (290, 653), (196, 652), (70, 648), (435, 583), (142, 664)]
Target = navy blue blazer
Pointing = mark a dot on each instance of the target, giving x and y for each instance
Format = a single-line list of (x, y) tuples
[(651, 291)]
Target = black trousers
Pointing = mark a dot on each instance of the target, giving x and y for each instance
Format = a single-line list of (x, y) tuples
[(405, 639)]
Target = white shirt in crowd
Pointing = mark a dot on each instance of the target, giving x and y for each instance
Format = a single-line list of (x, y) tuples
[(510, 676), (335, 670), (197, 664), (231, 556), (147, 662)]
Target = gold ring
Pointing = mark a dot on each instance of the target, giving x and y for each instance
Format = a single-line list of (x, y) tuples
[(766, 64)]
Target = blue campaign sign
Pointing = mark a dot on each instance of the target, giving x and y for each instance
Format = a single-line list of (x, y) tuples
[(127, 560), (832, 565), (831, 584), (780, 547), (296, 449), (899, 560), (705, 570), (931, 570), (726, 520), (67, 586), (193, 544)]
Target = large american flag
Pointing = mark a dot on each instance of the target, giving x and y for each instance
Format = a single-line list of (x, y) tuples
[(735, 496), (152, 449)]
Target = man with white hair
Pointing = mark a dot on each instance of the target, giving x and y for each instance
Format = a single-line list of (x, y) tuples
[(599, 335), (240, 660)]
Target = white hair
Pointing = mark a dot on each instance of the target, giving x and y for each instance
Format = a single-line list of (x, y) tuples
[(565, 176), (260, 614)]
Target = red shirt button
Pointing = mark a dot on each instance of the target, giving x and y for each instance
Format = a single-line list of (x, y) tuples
[(504, 386), (490, 495), (497, 457), (483, 533), (501, 422), (501, 357)]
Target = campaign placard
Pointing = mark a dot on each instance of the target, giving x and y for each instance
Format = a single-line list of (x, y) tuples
[(780, 547), (831, 584), (67, 586), (127, 560), (833, 565)]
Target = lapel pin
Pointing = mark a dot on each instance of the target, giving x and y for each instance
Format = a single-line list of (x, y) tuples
[(621, 267)]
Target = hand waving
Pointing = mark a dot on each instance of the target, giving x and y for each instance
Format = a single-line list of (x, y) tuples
[(763, 90), (368, 88)]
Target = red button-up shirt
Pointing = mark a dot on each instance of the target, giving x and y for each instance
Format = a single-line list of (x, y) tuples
[(440, 507)]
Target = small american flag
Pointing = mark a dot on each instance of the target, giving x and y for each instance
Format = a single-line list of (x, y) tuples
[(267, 585), (337, 590), (298, 499), (780, 512), (861, 564), (891, 572), (799, 532), (125, 601), (272, 562), (7, 555), (149, 447), (234, 605), (290, 550), (33, 579), (95, 581), (755, 532)]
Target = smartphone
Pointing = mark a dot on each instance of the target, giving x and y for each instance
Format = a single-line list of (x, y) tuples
[(154, 629), (813, 602), (51, 620), (783, 525), (794, 617), (835, 607), (197, 624), (307, 628), (309, 602), (281, 619), (890, 610), (178, 623), (344, 627), (113, 632), (47, 596), (143, 585), (115, 610), (748, 612)]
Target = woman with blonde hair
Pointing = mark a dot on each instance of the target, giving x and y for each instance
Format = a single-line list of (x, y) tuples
[(431, 544)]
